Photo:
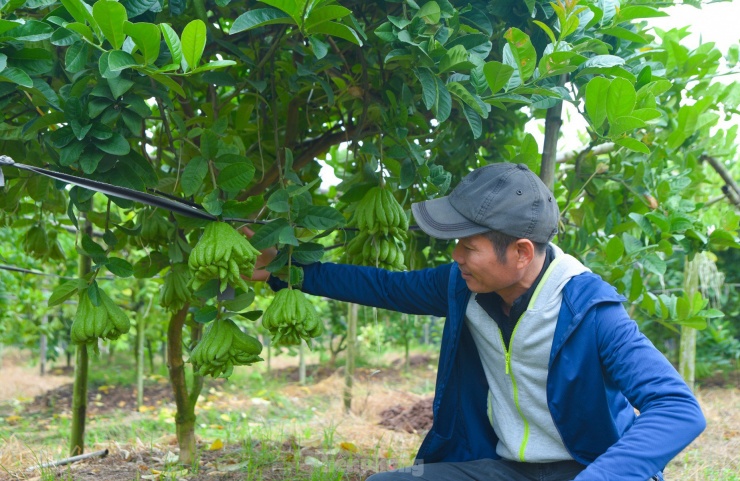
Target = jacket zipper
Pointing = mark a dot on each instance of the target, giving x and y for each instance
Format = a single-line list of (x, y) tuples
[(510, 373)]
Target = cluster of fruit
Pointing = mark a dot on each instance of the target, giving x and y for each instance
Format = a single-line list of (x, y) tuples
[(175, 292), (383, 228), (221, 253), (91, 322), (41, 244), (154, 228), (222, 347), (291, 317)]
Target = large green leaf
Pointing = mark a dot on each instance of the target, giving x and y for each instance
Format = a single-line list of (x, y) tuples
[(31, 31), (319, 217), (116, 145), (110, 17), (429, 12), (294, 8), (633, 144), (456, 59), (259, 17), (16, 76), (443, 105), (269, 234), (134, 8), (119, 60), (146, 36), (173, 43), (497, 75), (193, 43), (597, 91), (620, 99), (337, 30), (474, 121), (75, 58), (193, 175), (428, 86), (235, 177), (639, 11), (458, 90), (523, 51), (63, 292), (325, 14)]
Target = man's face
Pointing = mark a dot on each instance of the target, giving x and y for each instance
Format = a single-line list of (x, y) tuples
[(482, 270)]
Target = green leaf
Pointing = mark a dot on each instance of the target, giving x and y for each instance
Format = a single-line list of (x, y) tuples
[(602, 61), (633, 144), (547, 30), (212, 202), (466, 97), (319, 217), (429, 12), (116, 145), (497, 75), (639, 11), (213, 65), (636, 286), (89, 159), (167, 82), (134, 8), (624, 124), (259, 17), (443, 105), (523, 51), (278, 201), (149, 266), (81, 29), (614, 250), (81, 12), (64, 37), (308, 253), (16, 76), (120, 267), (63, 292), (193, 43), (474, 120), (119, 86), (456, 59), (110, 17), (173, 43), (624, 34), (325, 14), (31, 31), (236, 177), (654, 264), (337, 30), (294, 8), (240, 302), (75, 59), (119, 60), (620, 99), (428, 86), (146, 37), (193, 175), (597, 91), (269, 234)]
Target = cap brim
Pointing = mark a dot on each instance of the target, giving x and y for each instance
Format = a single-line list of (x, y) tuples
[(439, 219)]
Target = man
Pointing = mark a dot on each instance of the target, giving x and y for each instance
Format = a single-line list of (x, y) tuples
[(540, 368)]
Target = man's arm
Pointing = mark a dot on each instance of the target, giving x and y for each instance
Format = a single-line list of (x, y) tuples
[(414, 292), (670, 417)]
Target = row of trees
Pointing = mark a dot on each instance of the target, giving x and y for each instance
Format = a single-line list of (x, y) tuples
[(223, 108)]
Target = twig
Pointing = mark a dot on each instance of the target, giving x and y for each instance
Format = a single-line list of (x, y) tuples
[(102, 453)]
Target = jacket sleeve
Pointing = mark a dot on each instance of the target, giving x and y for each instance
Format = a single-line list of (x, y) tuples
[(670, 417), (414, 292)]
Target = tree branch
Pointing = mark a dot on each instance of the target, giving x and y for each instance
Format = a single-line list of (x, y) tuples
[(731, 189)]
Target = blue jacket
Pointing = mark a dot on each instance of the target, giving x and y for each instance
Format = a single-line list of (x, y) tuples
[(600, 367)]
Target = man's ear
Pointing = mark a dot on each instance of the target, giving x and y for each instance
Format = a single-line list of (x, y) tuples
[(524, 252)]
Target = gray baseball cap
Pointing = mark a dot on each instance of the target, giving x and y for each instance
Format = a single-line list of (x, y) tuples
[(508, 198)]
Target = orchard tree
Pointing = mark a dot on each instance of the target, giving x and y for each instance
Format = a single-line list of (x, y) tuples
[(196, 118)]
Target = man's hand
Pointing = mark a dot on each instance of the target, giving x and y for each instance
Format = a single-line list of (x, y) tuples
[(266, 256)]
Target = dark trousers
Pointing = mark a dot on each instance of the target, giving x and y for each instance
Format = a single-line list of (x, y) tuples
[(484, 470)]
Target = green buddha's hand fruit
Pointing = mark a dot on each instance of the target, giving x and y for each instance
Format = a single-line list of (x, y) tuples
[(221, 253), (222, 347), (291, 317)]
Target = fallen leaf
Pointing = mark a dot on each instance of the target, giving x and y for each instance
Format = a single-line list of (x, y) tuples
[(349, 447), (311, 461), (225, 417), (216, 445)]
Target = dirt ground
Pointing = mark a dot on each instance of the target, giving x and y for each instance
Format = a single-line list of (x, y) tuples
[(382, 415)]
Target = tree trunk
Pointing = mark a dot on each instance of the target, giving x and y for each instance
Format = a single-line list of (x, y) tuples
[(184, 400), (553, 121), (687, 346), (302, 363), (349, 368), (79, 393), (140, 336), (42, 349)]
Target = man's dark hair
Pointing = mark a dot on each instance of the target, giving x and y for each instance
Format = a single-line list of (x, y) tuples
[(501, 241)]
